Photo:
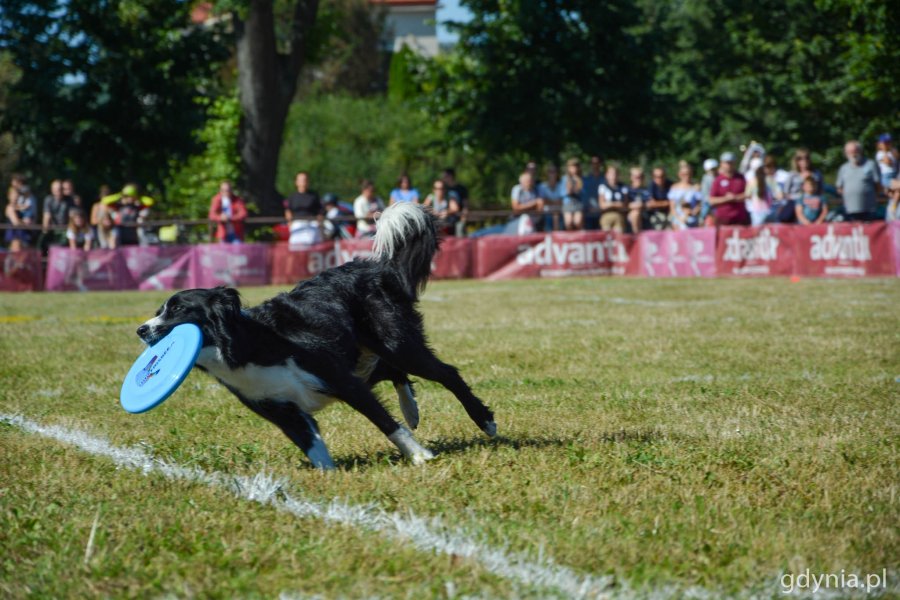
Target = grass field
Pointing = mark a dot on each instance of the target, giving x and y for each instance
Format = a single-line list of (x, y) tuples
[(677, 436)]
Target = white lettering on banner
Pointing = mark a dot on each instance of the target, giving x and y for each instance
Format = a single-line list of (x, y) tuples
[(321, 261), (572, 254), (762, 247), (840, 247)]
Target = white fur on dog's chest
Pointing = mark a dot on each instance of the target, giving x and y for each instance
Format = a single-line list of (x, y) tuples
[(287, 382)]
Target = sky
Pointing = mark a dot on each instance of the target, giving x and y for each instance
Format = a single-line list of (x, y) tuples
[(449, 10)]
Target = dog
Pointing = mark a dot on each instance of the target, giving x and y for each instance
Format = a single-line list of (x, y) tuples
[(332, 337)]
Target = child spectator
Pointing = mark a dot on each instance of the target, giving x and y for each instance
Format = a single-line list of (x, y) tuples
[(573, 200), (656, 213), (613, 199), (106, 232), (684, 199), (228, 212), (728, 193), (404, 192), (443, 205), (638, 196), (553, 192), (759, 197), (888, 159), (79, 232), (710, 166), (21, 210), (811, 208), (366, 208), (338, 222)]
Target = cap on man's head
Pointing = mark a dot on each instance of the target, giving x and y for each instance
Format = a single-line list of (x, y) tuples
[(727, 157), (129, 190), (885, 137), (709, 164)]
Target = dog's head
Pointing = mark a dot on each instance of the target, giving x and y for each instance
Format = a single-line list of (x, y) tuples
[(212, 310)]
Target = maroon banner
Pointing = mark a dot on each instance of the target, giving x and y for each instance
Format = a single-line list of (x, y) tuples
[(755, 251), (159, 267), (21, 271), (554, 255), (453, 260), (230, 264), (685, 253), (844, 250), (77, 270), (894, 229)]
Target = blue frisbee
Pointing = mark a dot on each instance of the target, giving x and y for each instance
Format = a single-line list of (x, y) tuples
[(160, 369)]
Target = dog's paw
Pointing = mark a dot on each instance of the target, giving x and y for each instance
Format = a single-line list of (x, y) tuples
[(421, 457), (490, 428)]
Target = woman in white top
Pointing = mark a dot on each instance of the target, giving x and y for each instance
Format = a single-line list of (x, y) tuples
[(366, 208), (759, 197), (684, 199)]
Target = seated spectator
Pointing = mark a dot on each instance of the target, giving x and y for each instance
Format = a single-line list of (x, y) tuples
[(443, 205), (79, 234), (366, 208), (656, 211), (893, 207), (552, 192), (56, 215), (404, 192), (759, 197), (728, 194), (613, 199), (338, 222), (710, 167), (684, 199), (811, 209), (106, 233), (525, 201), (888, 160), (638, 196), (801, 168), (574, 196), (228, 211), (304, 213), (461, 193), (592, 183), (21, 210)]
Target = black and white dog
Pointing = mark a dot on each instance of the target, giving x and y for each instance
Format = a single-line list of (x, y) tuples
[(330, 338)]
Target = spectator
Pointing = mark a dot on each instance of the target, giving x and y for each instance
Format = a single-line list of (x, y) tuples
[(801, 168), (858, 182), (68, 189), (304, 213), (753, 158), (131, 211), (759, 197), (404, 192), (107, 234), (98, 208), (656, 213), (638, 196), (366, 208), (684, 199), (888, 160), (56, 213), (613, 200), (79, 233), (525, 200), (21, 210), (338, 222), (552, 192), (811, 209), (893, 207), (710, 166), (728, 193), (454, 188), (575, 192), (228, 212), (443, 205), (774, 177), (592, 183)]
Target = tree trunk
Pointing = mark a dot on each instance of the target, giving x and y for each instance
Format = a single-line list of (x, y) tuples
[(267, 81)]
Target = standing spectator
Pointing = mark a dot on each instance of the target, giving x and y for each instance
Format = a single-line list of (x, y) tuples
[(893, 207), (811, 209), (21, 210), (753, 158), (228, 212), (613, 200), (684, 199), (759, 197), (98, 208), (404, 192), (710, 165), (575, 192), (525, 200), (592, 183), (443, 205), (68, 189), (656, 215), (552, 192), (454, 188), (638, 196), (858, 182), (304, 213), (728, 194), (801, 168), (79, 233), (888, 160), (56, 213), (366, 208), (132, 210)]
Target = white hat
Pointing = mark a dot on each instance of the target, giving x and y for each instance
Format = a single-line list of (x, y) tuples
[(709, 164), (727, 157)]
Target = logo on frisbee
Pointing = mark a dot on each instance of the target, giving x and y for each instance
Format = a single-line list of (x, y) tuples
[(147, 373)]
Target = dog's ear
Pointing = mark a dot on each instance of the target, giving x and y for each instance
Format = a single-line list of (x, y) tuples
[(226, 302), (224, 310)]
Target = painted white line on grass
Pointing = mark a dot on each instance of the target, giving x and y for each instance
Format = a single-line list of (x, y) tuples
[(428, 534)]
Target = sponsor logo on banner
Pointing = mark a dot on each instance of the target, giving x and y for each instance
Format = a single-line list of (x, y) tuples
[(572, 254), (842, 248), (764, 252), (323, 260)]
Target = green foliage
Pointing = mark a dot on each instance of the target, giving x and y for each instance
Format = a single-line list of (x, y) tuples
[(401, 84), (193, 182), (9, 75)]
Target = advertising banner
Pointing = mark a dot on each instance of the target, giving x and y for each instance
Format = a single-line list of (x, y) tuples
[(755, 251), (77, 270), (894, 229), (844, 250), (158, 267), (21, 271), (686, 253), (233, 265)]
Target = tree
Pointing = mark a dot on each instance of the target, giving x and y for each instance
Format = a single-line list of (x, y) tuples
[(267, 82)]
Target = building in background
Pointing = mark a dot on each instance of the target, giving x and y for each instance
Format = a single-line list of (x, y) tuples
[(411, 22)]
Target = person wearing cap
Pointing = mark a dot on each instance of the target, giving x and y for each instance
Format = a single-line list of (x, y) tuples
[(710, 166), (888, 159), (728, 194), (130, 210), (858, 183), (227, 211)]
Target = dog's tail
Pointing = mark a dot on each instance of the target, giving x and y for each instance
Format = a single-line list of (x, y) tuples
[(406, 236)]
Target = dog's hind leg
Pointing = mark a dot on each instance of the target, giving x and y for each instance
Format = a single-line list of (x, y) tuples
[(405, 393), (300, 427)]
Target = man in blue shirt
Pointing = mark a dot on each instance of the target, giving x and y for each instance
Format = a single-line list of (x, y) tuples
[(858, 183)]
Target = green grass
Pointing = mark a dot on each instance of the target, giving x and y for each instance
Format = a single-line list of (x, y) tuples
[(711, 433)]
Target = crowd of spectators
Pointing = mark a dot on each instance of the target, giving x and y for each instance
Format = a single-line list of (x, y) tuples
[(753, 191)]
